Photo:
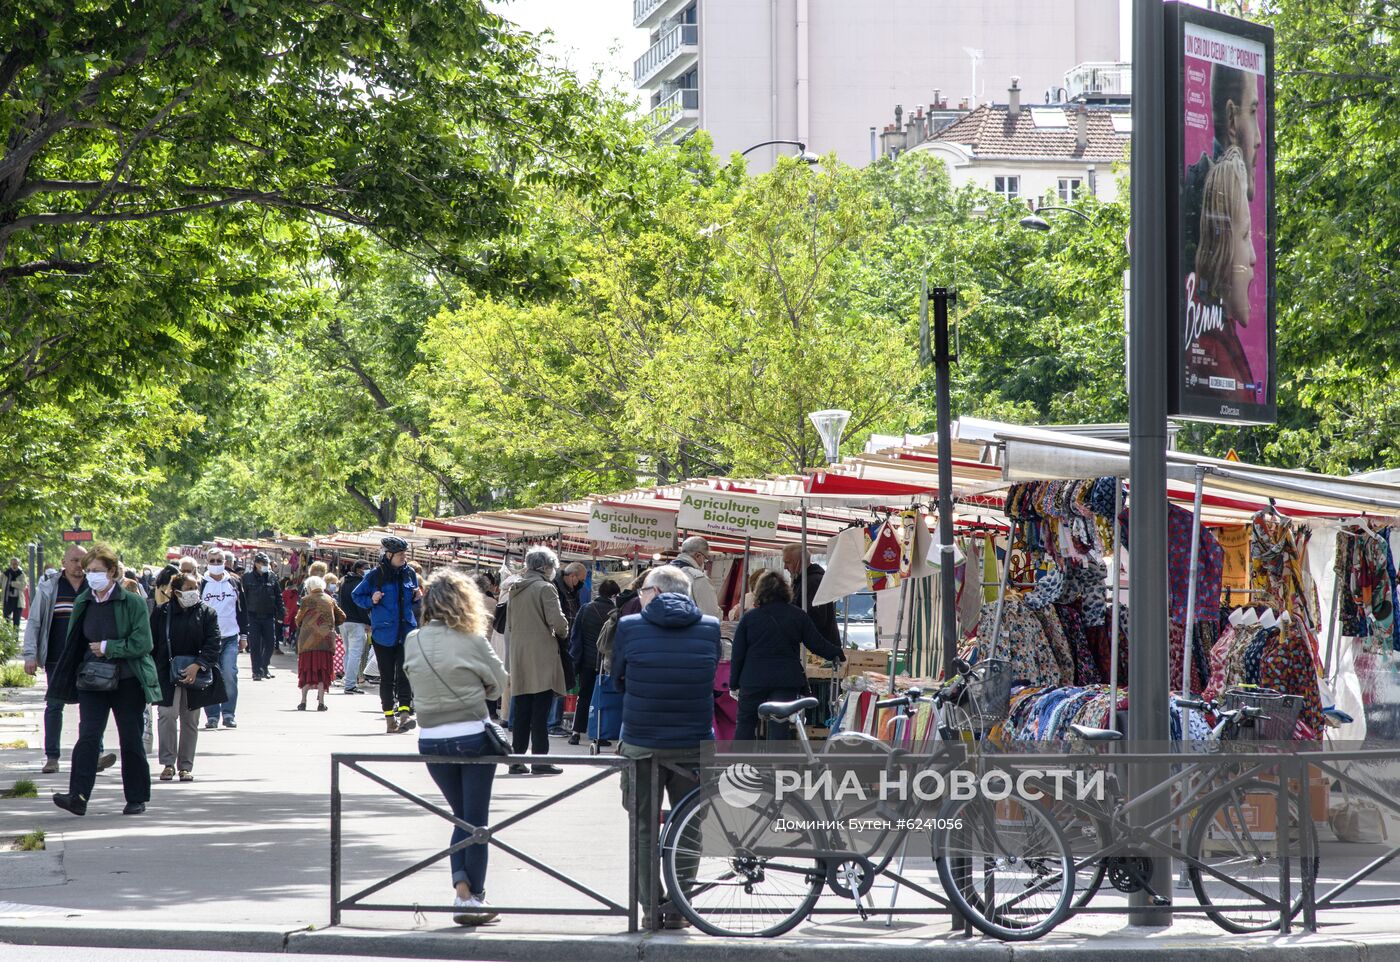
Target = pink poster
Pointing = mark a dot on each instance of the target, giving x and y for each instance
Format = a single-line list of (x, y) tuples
[(1226, 334)]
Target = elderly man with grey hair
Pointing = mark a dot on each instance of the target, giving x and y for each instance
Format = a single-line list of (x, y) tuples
[(535, 626), (664, 662), (694, 556)]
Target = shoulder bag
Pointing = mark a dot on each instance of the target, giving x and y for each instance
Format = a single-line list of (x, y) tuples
[(97, 673), (179, 663), (497, 742)]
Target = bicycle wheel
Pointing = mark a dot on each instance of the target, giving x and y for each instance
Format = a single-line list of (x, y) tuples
[(1006, 866), (1231, 835), (745, 871), (1086, 834)]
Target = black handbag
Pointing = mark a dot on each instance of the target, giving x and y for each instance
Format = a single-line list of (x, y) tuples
[(179, 663), (98, 674)]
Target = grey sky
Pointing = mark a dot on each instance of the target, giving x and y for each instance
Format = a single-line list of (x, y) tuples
[(588, 34)]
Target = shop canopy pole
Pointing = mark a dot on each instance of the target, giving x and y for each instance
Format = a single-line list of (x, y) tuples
[(806, 588), (1332, 620), (898, 630), (1189, 636), (744, 577), (1117, 591), (1001, 589)]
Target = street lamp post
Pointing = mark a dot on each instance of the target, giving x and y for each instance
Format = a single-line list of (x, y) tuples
[(803, 154)]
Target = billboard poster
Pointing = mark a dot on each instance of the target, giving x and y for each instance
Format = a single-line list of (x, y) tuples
[(1222, 251)]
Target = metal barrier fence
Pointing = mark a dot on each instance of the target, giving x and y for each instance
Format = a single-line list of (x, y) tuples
[(608, 766), (1135, 822)]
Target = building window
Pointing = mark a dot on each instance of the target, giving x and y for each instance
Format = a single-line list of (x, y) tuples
[(1069, 187), (1008, 187)]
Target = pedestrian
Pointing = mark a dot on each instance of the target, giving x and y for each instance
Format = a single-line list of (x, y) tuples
[(160, 585), (487, 585), (583, 649), (223, 592), (263, 609), (767, 661), (693, 557), (805, 583), (318, 616), (12, 587), (388, 592), (106, 669), (455, 672), (338, 656), (291, 597), (44, 637), (664, 662), (185, 635), (535, 626), (355, 631)]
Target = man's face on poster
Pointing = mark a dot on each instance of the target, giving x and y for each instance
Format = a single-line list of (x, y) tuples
[(1242, 125)]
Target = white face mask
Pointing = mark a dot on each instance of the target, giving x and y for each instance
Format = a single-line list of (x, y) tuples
[(262, 569), (98, 581), (216, 569), (189, 598)]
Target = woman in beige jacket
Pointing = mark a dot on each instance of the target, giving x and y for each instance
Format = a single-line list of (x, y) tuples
[(535, 626), (453, 673)]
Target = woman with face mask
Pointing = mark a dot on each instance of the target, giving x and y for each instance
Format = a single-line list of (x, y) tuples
[(106, 669), (184, 628)]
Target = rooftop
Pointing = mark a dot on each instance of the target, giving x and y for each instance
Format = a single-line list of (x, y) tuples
[(1042, 131)]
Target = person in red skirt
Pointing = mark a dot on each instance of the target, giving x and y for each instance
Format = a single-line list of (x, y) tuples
[(318, 617)]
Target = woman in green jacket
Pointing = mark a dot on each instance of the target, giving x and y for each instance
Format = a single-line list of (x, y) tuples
[(109, 626)]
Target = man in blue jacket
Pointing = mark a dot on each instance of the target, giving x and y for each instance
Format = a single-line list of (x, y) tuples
[(664, 662), (388, 593)]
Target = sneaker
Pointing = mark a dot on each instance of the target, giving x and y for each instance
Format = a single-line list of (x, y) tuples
[(167, 773), (558, 732), (352, 690), (106, 761), (257, 678), (230, 723), (546, 770), (268, 674), (211, 723), (407, 724), (50, 766), (474, 911)]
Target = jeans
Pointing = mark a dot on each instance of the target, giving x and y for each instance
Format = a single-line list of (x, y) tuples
[(262, 635), (587, 679), (128, 704), (529, 722), (636, 796), (556, 713), (356, 635), (467, 789), (394, 691), (228, 667), (179, 731), (746, 728)]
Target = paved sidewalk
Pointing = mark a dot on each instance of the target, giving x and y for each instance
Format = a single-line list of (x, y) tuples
[(238, 860)]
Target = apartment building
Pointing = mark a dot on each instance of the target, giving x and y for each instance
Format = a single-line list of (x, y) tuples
[(817, 71)]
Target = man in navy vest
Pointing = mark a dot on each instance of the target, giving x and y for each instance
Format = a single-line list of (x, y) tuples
[(664, 662)]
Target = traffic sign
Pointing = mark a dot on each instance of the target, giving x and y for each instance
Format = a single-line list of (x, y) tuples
[(77, 536)]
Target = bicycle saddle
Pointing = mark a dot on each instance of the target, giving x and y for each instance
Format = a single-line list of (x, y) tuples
[(786, 709), (1095, 734)]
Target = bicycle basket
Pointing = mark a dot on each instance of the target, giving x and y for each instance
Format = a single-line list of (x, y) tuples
[(1280, 710), (987, 699)]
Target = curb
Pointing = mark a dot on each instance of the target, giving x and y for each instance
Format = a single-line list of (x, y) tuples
[(479, 947)]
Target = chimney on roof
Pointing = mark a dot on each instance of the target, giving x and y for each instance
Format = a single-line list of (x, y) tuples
[(1013, 98), (1081, 127), (938, 103), (962, 104)]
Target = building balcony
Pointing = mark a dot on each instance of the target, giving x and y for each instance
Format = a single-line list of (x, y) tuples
[(678, 43), (1099, 80), (647, 13), (679, 110)]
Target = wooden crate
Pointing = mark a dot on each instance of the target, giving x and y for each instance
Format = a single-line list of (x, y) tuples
[(876, 659)]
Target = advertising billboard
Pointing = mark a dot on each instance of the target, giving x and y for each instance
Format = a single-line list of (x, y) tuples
[(1221, 136)]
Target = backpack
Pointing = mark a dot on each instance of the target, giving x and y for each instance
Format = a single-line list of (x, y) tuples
[(605, 642)]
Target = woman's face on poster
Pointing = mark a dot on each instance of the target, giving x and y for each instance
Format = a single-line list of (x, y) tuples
[(1242, 270)]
